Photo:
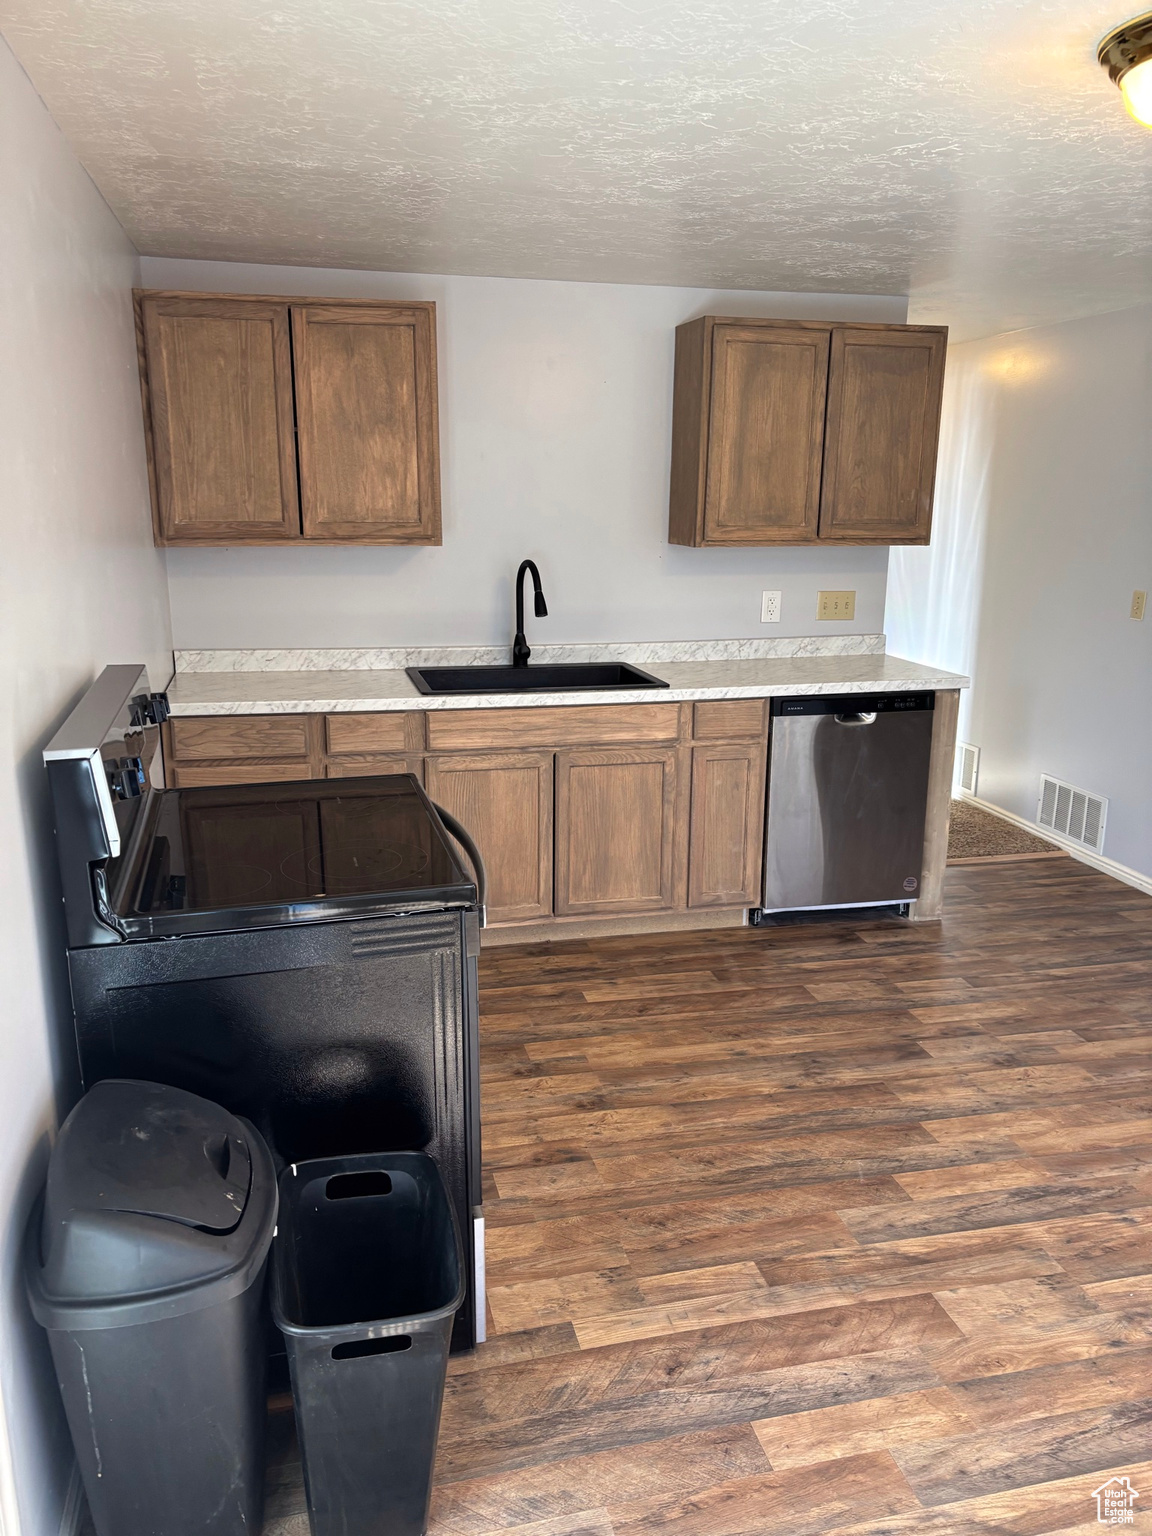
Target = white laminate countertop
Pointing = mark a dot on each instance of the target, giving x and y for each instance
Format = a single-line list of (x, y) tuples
[(307, 692)]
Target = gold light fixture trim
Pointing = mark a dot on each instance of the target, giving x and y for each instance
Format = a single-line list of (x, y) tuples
[(1126, 53)]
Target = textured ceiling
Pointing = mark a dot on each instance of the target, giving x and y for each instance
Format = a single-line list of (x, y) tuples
[(969, 152)]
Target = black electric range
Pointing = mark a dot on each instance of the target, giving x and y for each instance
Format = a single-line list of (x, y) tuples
[(303, 953), (264, 854)]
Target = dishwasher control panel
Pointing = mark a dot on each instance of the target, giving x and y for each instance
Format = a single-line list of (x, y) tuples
[(857, 703)]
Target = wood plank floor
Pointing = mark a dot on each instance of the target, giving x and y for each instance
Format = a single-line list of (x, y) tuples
[(821, 1228)]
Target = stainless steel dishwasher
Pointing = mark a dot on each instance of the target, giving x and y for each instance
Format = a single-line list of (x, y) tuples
[(847, 796)]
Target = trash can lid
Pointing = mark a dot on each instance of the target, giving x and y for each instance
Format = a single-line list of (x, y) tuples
[(148, 1191)]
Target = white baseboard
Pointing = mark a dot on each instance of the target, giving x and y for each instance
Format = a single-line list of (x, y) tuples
[(1106, 866), (72, 1514)]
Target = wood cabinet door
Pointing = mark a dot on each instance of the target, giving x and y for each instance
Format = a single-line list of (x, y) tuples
[(725, 853), (765, 434), (884, 395), (366, 416), (219, 420), (618, 828), (505, 801)]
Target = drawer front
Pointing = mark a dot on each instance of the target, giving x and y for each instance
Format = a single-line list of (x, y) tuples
[(368, 765), (730, 719), (564, 726), (268, 736), (381, 732), (201, 775)]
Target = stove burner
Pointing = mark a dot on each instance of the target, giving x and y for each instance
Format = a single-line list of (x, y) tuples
[(353, 864), (240, 881)]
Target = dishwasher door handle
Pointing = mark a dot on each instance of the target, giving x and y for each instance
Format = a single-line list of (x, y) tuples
[(862, 718)]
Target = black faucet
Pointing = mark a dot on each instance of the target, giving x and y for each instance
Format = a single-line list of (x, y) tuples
[(520, 650)]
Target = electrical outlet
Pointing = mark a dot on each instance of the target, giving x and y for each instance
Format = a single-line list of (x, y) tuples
[(1135, 612), (770, 608), (836, 605)]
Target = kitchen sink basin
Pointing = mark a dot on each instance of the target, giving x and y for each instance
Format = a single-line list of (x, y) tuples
[(569, 677)]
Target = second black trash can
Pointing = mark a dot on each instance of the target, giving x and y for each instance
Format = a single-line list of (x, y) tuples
[(369, 1274)]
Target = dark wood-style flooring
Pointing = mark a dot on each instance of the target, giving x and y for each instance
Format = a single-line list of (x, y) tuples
[(824, 1228)]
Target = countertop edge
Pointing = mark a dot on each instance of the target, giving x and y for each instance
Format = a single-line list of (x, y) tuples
[(916, 680)]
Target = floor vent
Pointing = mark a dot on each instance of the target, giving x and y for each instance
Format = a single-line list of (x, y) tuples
[(1073, 812), (969, 764)]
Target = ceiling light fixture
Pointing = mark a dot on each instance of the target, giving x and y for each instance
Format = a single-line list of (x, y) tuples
[(1126, 53)]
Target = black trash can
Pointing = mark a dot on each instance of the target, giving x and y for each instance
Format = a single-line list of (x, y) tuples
[(368, 1274), (146, 1264)]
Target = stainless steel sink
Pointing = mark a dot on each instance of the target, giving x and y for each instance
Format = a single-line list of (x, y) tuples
[(568, 677)]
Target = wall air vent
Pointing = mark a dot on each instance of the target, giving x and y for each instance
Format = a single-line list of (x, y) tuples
[(1073, 812), (969, 766)]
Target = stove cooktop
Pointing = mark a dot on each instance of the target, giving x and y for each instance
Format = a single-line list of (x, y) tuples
[(260, 855)]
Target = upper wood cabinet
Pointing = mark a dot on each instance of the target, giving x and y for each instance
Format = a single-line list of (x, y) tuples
[(287, 421), (880, 439), (797, 432), (366, 422), (768, 389), (218, 400)]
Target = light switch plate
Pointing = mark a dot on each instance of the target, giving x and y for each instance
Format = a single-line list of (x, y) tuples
[(770, 608), (1137, 609), (836, 605)]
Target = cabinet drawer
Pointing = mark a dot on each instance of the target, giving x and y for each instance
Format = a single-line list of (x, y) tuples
[(268, 736), (563, 726), (730, 719), (380, 732), (200, 775), (369, 764)]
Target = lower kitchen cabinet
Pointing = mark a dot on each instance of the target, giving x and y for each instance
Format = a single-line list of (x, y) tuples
[(580, 812), (618, 820), (505, 801), (726, 825)]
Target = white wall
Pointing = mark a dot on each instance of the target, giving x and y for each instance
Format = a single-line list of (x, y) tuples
[(1043, 531), (556, 403), (80, 586)]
